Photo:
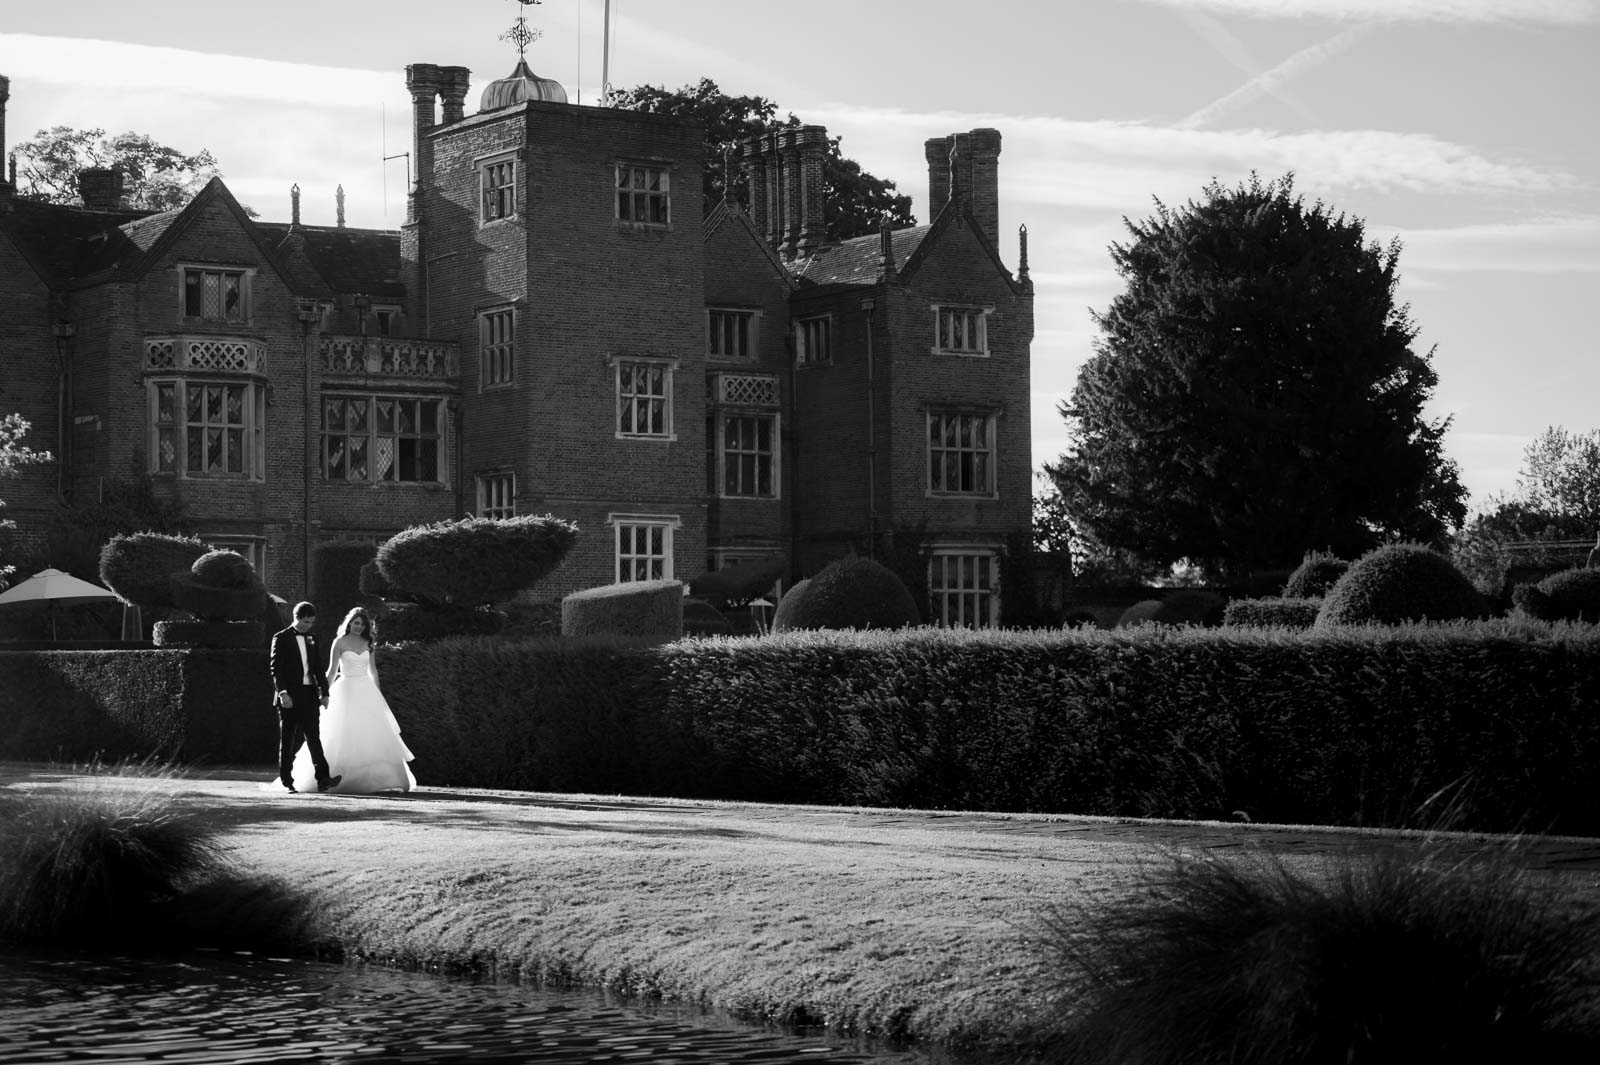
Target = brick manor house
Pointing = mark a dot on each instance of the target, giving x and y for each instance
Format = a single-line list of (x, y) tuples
[(559, 328)]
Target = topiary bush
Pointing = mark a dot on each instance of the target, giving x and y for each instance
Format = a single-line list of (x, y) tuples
[(789, 606), (737, 585), (1397, 583), (138, 567), (700, 618), (220, 586), (1191, 606), (405, 622), (1285, 613), (1142, 611), (852, 593), (209, 632), (473, 561), (1317, 572), (1571, 595), (650, 610)]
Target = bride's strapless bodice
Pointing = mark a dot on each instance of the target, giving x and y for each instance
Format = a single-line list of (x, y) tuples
[(355, 663)]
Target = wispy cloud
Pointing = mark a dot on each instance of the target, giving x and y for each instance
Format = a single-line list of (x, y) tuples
[(1552, 12), (1546, 246), (1271, 82)]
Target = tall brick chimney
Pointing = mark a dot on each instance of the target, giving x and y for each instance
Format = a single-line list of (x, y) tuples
[(454, 82), (966, 167), (937, 152), (786, 188), (811, 143), (100, 188), (5, 94), (423, 81)]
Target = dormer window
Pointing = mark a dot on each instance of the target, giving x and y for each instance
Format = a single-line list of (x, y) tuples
[(216, 295)]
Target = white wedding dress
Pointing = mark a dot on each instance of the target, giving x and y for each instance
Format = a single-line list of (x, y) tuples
[(359, 735)]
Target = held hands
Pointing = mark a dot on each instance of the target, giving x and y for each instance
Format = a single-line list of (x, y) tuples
[(285, 700)]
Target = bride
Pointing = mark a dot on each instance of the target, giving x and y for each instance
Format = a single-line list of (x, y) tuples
[(359, 733)]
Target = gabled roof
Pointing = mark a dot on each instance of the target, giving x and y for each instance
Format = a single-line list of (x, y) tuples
[(731, 214), (858, 261), (365, 261), (63, 241)]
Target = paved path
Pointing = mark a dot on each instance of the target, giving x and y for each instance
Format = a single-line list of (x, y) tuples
[(248, 788)]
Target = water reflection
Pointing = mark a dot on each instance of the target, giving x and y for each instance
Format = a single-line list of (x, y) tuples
[(247, 1009)]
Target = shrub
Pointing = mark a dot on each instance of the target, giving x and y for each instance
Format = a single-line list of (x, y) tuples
[(700, 618), (1191, 606), (405, 622), (1317, 572), (1142, 611), (221, 585), (1398, 583), (209, 632), (650, 610), (853, 593), (473, 561), (1571, 595), (1385, 958), (789, 606), (99, 865), (139, 566), (334, 583), (737, 585), (1285, 612)]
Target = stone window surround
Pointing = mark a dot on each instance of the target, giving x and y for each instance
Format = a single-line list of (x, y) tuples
[(991, 418), (980, 322), (505, 193), (246, 283), (626, 524), (950, 602), (251, 429)]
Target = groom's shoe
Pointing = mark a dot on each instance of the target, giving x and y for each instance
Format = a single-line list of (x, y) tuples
[(289, 787), (331, 782)]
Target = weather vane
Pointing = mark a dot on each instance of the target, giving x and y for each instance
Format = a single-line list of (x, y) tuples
[(520, 35)]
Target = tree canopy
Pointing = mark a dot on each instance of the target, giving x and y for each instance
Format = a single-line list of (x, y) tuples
[(1253, 392), (13, 456), (157, 177), (856, 202)]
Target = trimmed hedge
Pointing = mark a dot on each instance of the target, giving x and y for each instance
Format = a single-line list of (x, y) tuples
[(139, 566), (210, 632), (1571, 595), (473, 561), (1287, 612), (1191, 606), (646, 610), (404, 622)]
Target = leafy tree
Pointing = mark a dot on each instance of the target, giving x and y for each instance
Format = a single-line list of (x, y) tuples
[(1088, 561), (13, 456), (1254, 393), (158, 178), (855, 201)]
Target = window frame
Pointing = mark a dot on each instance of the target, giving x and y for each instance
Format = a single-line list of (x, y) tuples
[(979, 598), (628, 400), (990, 450), (386, 317), (251, 428), (622, 192), (980, 323), (505, 198), (804, 342), (751, 334), (666, 524), (372, 436), (496, 494), (246, 276), (772, 456), (501, 354)]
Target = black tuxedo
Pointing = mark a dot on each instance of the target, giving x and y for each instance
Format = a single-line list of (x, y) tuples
[(302, 719)]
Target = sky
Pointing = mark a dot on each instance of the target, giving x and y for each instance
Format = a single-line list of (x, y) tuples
[(1467, 129)]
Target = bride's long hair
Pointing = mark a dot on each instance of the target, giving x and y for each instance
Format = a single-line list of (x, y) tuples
[(370, 632)]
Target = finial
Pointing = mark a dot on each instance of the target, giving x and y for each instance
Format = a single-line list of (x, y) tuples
[(1022, 254), (294, 204), (520, 35), (338, 198)]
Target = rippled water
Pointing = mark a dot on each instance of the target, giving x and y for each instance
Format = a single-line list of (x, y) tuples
[(248, 1009)]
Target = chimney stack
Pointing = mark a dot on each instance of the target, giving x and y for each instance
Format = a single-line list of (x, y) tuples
[(338, 200), (423, 81), (812, 146), (5, 94), (100, 188), (756, 178), (937, 151), (294, 204), (979, 163), (454, 83)]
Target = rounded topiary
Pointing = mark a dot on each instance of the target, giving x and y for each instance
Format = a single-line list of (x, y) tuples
[(473, 561), (738, 584), (1571, 595), (1191, 606), (789, 606), (1139, 613), (1317, 572), (221, 585), (138, 567), (1397, 583), (853, 593)]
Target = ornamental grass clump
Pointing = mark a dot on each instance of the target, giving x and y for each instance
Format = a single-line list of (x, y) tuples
[(103, 864), (1356, 960)]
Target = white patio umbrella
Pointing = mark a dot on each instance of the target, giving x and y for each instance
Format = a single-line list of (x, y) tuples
[(52, 586)]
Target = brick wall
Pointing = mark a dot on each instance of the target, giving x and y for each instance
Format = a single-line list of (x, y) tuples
[(28, 386)]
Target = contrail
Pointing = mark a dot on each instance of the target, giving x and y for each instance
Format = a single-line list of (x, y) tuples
[(1268, 81)]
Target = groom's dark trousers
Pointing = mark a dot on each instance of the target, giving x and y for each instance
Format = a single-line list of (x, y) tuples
[(302, 721)]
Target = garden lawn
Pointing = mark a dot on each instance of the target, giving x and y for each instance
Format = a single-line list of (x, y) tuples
[(875, 922)]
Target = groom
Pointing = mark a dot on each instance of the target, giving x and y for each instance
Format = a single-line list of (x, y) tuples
[(299, 693)]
